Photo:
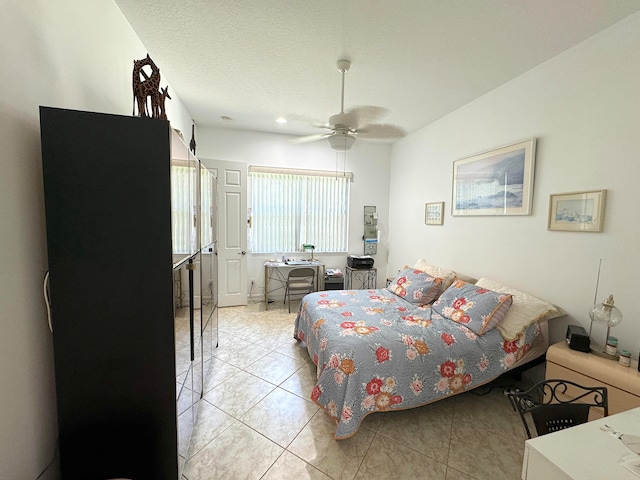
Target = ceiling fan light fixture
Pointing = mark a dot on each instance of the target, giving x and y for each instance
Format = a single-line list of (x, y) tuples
[(341, 142)]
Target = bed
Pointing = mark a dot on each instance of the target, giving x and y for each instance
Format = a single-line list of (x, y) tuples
[(422, 339)]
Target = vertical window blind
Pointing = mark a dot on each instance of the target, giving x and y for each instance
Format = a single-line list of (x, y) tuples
[(291, 208)]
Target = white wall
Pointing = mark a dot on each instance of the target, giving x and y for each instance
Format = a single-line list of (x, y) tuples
[(583, 107), (368, 161), (67, 54)]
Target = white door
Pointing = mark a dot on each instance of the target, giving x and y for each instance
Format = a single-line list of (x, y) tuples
[(232, 231)]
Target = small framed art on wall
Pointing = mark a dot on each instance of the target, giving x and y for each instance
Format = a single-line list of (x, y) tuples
[(434, 213), (577, 211)]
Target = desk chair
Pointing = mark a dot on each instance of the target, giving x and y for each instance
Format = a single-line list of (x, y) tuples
[(300, 281), (557, 404)]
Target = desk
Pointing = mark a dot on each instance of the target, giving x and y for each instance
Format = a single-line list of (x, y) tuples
[(277, 271), (583, 452)]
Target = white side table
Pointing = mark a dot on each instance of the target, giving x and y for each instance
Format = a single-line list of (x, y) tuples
[(360, 279)]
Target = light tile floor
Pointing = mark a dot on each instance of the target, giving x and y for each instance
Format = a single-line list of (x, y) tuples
[(256, 420)]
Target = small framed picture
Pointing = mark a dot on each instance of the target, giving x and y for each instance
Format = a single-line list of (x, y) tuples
[(577, 211), (433, 213)]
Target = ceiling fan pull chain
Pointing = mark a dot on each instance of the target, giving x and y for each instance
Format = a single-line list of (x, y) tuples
[(344, 162)]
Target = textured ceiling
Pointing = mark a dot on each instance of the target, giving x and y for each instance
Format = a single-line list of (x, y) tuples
[(254, 60)]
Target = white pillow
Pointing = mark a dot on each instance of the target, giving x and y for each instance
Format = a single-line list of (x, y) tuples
[(447, 276), (524, 310)]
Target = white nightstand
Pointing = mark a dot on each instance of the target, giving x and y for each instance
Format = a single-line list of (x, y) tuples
[(623, 383)]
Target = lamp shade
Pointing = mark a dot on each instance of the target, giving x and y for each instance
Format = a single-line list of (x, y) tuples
[(606, 313), (341, 141)]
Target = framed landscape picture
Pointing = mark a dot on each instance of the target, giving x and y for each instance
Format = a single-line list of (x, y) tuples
[(498, 182), (577, 211), (433, 213)]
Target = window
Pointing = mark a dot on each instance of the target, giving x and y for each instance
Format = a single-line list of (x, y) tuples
[(184, 177), (291, 208), (180, 208)]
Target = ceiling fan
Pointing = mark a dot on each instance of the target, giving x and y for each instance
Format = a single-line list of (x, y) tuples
[(344, 127)]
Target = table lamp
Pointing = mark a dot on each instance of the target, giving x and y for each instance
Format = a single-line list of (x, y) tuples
[(607, 314), (308, 247)]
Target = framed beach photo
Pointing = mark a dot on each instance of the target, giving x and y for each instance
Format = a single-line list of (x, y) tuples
[(434, 213), (498, 182), (577, 211)]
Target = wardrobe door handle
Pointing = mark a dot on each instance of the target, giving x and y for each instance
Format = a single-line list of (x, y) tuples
[(47, 300), (191, 310)]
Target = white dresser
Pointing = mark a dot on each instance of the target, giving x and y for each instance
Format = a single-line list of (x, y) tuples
[(589, 370)]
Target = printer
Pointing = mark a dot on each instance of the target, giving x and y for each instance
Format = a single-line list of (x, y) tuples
[(360, 262)]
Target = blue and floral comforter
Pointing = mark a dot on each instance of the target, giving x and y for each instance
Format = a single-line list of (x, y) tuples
[(377, 352)]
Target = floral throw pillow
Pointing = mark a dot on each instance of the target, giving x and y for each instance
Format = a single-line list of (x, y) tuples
[(475, 307), (415, 286)]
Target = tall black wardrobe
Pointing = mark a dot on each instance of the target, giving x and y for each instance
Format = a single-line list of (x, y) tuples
[(112, 291)]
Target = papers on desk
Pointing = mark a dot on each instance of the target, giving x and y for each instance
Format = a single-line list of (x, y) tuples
[(633, 465), (293, 263), (333, 272), (632, 461), (631, 441)]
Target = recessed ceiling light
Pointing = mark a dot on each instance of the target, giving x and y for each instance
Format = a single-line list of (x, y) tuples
[(281, 120)]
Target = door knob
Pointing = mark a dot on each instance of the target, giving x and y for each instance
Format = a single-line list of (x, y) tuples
[(242, 252)]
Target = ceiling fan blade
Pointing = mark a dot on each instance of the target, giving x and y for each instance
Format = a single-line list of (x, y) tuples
[(361, 120), (359, 117), (310, 138), (383, 130), (338, 120)]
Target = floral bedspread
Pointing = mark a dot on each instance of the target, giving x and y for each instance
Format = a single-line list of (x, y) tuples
[(377, 352)]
